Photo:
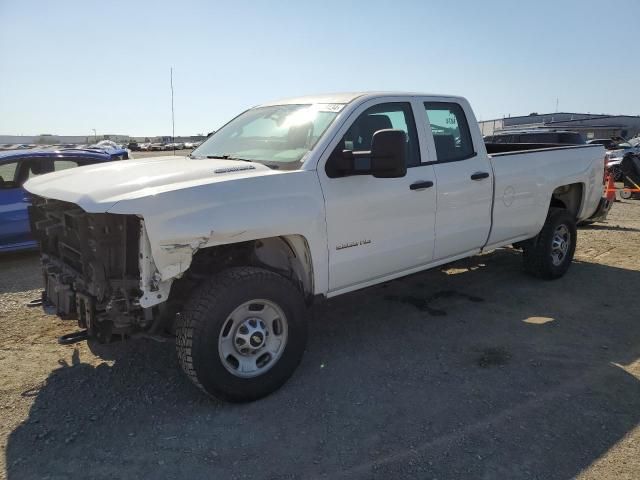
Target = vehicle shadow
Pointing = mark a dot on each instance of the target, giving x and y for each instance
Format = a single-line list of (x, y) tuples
[(616, 228), (472, 371)]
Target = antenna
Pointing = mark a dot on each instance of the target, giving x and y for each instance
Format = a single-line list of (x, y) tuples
[(173, 120)]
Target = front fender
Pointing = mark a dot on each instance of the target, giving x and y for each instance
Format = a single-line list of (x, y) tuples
[(180, 222)]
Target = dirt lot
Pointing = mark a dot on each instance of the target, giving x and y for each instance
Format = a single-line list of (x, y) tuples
[(471, 371)]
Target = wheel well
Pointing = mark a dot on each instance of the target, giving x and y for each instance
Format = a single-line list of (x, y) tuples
[(568, 197), (288, 256)]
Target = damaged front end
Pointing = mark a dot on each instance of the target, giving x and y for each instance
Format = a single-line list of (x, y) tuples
[(97, 268)]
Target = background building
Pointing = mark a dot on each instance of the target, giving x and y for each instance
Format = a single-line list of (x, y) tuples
[(589, 125)]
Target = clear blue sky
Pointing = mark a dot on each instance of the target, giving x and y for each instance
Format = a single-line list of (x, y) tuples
[(69, 66)]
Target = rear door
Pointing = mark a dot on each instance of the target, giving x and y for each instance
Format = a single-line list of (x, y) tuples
[(14, 220), (15, 231), (464, 180)]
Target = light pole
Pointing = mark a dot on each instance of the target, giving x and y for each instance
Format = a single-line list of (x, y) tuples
[(173, 122)]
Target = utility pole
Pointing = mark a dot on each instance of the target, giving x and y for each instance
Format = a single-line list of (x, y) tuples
[(173, 122)]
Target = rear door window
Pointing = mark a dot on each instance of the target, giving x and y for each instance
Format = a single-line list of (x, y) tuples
[(39, 166), (63, 165), (8, 175), (42, 166), (450, 130)]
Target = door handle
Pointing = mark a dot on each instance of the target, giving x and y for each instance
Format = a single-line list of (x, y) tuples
[(479, 175), (421, 185)]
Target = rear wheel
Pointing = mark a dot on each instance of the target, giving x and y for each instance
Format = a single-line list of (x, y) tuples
[(242, 334), (549, 255)]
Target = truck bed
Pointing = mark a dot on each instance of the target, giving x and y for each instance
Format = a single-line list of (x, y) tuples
[(501, 148), (525, 177)]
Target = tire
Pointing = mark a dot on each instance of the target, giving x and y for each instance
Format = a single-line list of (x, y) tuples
[(550, 253), (267, 308), (626, 194)]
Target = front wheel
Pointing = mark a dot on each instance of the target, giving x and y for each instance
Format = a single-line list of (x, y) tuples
[(549, 255), (242, 334)]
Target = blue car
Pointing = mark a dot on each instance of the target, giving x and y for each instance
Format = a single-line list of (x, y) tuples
[(16, 167)]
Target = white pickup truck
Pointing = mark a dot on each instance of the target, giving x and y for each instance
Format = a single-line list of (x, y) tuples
[(290, 201)]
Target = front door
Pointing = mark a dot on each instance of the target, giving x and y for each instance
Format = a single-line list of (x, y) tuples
[(378, 226)]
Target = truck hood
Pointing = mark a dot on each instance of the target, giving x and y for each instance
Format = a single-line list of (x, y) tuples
[(97, 188)]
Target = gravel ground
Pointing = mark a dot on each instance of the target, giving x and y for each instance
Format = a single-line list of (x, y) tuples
[(474, 370)]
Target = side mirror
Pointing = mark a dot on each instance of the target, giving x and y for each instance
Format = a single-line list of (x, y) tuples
[(388, 152), (386, 159)]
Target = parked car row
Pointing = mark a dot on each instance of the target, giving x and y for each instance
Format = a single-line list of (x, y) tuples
[(617, 150), (630, 176), (161, 146), (31, 146), (58, 146), (132, 146)]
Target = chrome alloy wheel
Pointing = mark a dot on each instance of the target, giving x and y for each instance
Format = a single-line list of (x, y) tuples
[(253, 338), (560, 244)]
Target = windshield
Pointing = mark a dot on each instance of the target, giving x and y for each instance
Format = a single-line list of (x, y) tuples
[(279, 136)]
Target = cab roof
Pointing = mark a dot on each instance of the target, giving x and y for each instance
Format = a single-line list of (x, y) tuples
[(347, 97)]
